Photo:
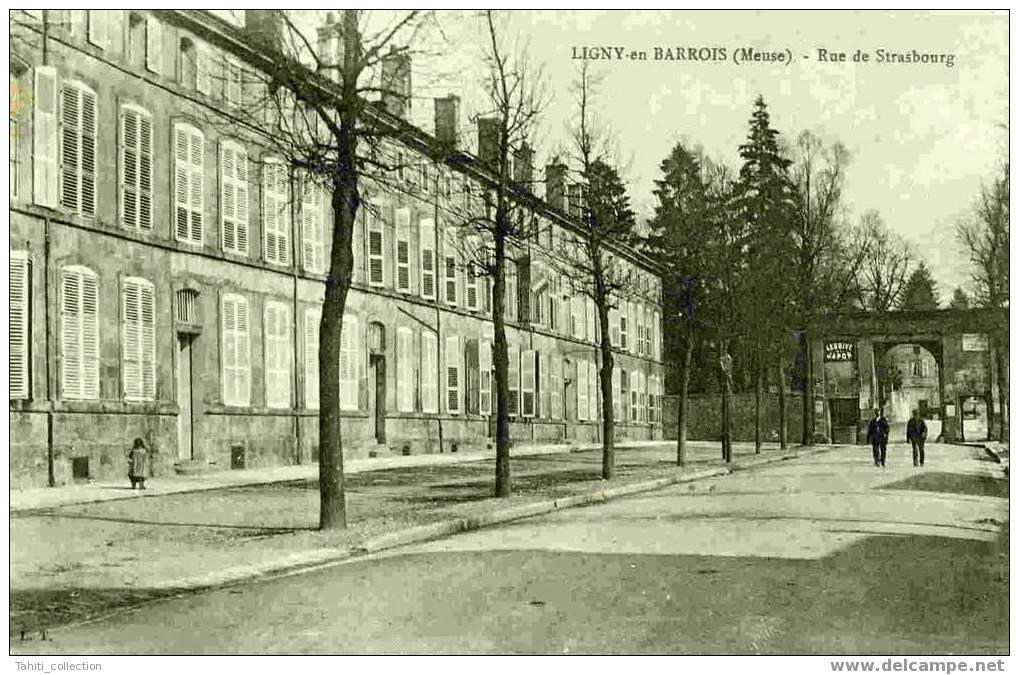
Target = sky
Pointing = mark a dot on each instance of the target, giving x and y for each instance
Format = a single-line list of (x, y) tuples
[(922, 138)]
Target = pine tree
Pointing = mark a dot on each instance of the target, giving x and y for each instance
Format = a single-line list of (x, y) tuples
[(920, 292)]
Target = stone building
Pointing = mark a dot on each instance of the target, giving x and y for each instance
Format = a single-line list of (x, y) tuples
[(166, 274)]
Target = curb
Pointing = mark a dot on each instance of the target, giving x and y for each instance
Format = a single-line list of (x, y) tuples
[(422, 533)]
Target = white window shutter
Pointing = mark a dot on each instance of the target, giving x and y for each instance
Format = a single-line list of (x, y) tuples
[(591, 333), (543, 385), (77, 148), (312, 321), (278, 374), (376, 249), (312, 227), (99, 27), (513, 375), (485, 377), (555, 390), (632, 311), (615, 394), (429, 373), (233, 167), (203, 62), (45, 138), (593, 391), (449, 267), (428, 262), (527, 383), (189, 183), (350, 363), (153, 44), (236, 356), (404, 369), (136, 168), (453, 375), (79, 345), (139, 340), (580, 368), (403, 250), (19, 323), (275, 212)]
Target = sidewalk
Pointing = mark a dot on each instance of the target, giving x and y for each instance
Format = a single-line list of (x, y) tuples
[(103, 548), (31, 499)]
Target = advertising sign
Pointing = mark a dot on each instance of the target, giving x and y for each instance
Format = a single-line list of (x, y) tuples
[(840, 350), (974, 342)]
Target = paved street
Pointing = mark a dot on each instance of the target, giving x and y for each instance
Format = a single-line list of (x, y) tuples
[(824, 554)]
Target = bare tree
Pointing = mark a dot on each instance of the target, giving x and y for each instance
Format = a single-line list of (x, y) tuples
[(883, 273), (315, 112), (494, 227), (985, 236)]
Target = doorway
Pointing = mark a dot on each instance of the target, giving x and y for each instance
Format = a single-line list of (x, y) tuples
[(185, 398), (378, 365)]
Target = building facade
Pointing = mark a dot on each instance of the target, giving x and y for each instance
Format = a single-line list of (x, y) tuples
[(166, 275)]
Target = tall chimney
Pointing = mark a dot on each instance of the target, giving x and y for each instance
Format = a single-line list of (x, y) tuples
[(265, 28), (396, 83), (555, 184), (330, 45), (488, 141), (447, 121), (522, 166)]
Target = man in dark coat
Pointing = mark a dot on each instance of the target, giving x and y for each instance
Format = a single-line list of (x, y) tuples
[(916, 433), (877, 436), (138, 464)]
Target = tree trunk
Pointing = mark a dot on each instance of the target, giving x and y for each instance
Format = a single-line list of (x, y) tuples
[(783, 425), (332, 502), (681, 413), (808, 391), (500, 357), (758, 401), (608, 457)]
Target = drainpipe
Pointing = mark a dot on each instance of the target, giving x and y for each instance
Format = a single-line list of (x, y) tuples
[(51, 479)]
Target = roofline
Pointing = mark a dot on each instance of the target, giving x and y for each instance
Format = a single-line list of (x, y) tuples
[(227, 35)]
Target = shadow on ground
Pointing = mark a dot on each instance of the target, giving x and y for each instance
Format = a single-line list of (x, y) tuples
[(961, 484)]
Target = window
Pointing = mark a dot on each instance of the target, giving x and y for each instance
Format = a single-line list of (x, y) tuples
[(19, 317), (427, 228), (312, 225), (425, 182), (472, 377), (543, 384), (553, 302), (350, 363), (514, 379), (99, 27), (404, 369), (634, 400), (136, 168), (186, 300), (136, 39), (624, 395), (376, 249), (632, 311), (79, 333), (189, 185), (278, 374), (453, 375), (593, 390), (624, 323), (527, 383), (403, 250), (556, 390), (640, 329), (471, 273), (590, 333), (312, 321), (187, 67), (153, 45), (582, 388), (485, 377), (576, 316), (236, 351), (233, 207), (276, 211), (233, 82), (429, 372), (45, 138), (138, 315), (78, 149), (615, 394), (13, 135), (450, 269)]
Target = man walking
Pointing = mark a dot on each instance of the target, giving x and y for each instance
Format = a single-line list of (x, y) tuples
[(916, 433), (877, 436)]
